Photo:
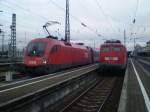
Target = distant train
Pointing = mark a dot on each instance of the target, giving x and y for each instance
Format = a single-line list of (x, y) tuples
[(113, 55), (47, 55)]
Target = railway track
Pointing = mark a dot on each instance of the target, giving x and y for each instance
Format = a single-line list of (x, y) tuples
[(9, 66), (5, 64), (32, 89), (7, 60), (93, 99), (30, 79)]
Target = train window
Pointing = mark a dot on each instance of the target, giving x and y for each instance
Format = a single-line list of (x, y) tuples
[(105, 49), (54, 49), (36, 49), (116, 49)]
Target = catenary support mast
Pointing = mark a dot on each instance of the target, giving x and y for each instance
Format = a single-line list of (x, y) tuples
[(67, 23)]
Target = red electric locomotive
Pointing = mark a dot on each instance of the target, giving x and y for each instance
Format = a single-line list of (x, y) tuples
[(47, 55), (113, 55)]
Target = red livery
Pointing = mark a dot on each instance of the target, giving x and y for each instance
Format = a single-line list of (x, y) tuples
[(46, 55), (113, 55)]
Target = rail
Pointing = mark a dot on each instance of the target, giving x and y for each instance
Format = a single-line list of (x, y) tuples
[(92, 99), (145, 60), (11, 95), (11, 63)]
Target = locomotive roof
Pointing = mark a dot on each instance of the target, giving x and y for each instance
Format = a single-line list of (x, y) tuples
[(112, 41), (59, 42), (112, 44)]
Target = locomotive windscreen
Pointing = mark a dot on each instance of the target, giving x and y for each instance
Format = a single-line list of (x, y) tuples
[(116, 49), (105, 49), (36, 49)]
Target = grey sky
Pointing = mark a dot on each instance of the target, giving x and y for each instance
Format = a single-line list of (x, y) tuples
[(106, 17)]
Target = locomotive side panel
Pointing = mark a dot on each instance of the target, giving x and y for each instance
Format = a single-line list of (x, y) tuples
[(49, 55)]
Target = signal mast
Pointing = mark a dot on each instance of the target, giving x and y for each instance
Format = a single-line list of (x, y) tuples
[(67, 23)]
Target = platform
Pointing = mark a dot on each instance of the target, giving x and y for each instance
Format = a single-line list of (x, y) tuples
[(136, 89)]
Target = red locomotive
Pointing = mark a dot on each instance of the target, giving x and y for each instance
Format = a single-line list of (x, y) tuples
[(47, 55), (113, 55)]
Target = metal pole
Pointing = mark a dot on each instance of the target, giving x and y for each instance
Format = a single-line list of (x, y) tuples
[(25, 37), (94, 44), (67, 23), (3, 35), (124, 37), (134, 43), (13, 35)]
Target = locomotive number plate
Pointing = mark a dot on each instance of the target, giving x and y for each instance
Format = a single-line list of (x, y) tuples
[(32, 62)]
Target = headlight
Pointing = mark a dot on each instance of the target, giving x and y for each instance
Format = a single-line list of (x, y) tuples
[(44, 61), (111, 58), (115, 58), (106, 58)]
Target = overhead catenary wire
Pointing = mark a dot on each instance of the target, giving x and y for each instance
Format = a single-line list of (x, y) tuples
[(84, 25), (19, 17), (43, 18), (75, 18), (104, 14), (134, 18), (136, 10), (21, 23), (133, 21), (25, 24), (24, 9)]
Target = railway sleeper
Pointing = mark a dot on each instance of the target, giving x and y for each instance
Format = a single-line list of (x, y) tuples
[(83, 109), (95, 97), (91, 101), (86, 104), (95, 100), (98, 93), (100, 90), (77, 109)]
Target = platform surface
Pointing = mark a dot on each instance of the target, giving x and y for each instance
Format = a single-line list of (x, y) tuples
[(136, 88)]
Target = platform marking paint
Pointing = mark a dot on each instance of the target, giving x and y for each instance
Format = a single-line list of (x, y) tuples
[(146, 98), (5, 90), (146, 72), (52, 75)]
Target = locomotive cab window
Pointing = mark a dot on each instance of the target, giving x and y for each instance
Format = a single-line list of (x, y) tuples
[(105, 49), (54, 49), (116, 49), (36, 49)]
